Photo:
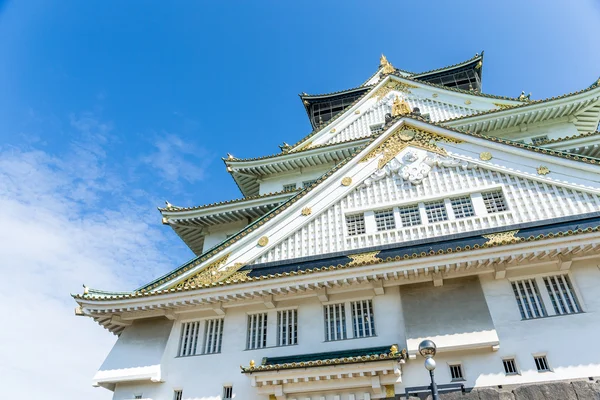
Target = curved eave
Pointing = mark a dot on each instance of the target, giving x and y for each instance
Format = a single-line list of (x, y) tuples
[(306, 96), (247, 173), (584, 106), (471, 61)]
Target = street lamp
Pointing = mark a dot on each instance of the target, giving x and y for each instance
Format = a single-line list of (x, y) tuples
[(427, 349)]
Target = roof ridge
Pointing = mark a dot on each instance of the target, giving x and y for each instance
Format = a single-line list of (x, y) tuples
[(475, 57), (305, 95), (226, 202)]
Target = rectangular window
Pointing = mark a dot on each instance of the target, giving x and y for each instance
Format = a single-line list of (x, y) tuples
[(510, 366), (188, 341), (138, 396), (456, 372), (289, 187), (410, 215), (538, 140), (287, 327), (227, 392), (462, 207), (335, 321), (306, 184), (385, 220), (213, 336), (377, 128), (363, 322), (494, 201), (436, 211), (177, 394), (355, 224), (528, 299), (541, 363), (562, 294), (257, 331)]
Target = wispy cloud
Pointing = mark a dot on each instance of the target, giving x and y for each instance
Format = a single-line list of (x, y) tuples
[(67, 219), (176, 160)]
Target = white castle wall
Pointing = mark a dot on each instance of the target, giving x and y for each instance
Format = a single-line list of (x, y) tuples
[(528, 200), (559, 337)]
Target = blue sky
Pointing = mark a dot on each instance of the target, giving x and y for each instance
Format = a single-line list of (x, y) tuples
[(108, 108)]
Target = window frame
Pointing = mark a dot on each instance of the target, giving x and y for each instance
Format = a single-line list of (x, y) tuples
[(347, 226), (496, 210), (543, 356), (433, 212), (512, 359), (177, 394), (201, 338), (389, 212), (279, 330), (461, 369), (288, 187), (461, 210), (264, 327), (227, 392)]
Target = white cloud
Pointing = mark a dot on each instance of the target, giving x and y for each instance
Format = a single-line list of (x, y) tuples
[(67, 219)]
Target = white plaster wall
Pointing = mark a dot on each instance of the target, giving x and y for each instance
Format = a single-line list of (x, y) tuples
[(217, 234), (552, 129), (528, 200), (275, 184), (202, 377)]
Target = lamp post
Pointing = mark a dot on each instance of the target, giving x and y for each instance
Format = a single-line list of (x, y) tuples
[(427, 349)]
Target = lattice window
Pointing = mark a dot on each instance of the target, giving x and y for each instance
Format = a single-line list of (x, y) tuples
[(510, 366), (257, 331), (287, 327), (308, 183), (385, 220), (227, 392), (456, 372), (538, 140), (528, 298), (410, 215), (562, 294), (355, 224), (494, 201), (377, 128), (436, 211), (188, 343), (363, 321), (213, 336), (177, 394), (541, 363), (462, 207), (289, 187), (335, 321)]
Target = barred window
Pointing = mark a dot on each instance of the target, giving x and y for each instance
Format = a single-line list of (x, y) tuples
[(436, 211), (363, 322), (462, 207), (335, 321), (494, 201), (289, 187), (287, 327), (562, 294), (355, 224), (377, 128), (538, 140), (510, 366), (213, 336), (188, 341), (410, 215), (227, 392), (385, 220), (528, 299), (456, 372), (177, 394), (306, 184), (541, 363), (257, 331)]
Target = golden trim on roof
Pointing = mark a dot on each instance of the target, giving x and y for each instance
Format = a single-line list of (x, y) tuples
[(388, 68), (369, 257), (213, 273), (407, 136), (501, 238), (400, 107), (485, 156), (543, 170), (392, 84)]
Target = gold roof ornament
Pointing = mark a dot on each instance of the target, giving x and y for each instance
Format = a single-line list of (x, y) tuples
[(485, 156), (400, 107), (86, 290), (214, 272), (388, 68), (230, 156), (543, 170), (479, 65), (347, 181), (394, 349), (523, 97), (252, 363), (169, 205), (306, 211), (263, 241)]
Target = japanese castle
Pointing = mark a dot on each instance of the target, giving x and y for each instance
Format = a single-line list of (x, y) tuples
[(417, 208)]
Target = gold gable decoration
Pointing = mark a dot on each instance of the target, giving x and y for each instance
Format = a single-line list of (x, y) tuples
[(400, 107), (368, 258), (501, 238), (392, 85), (406, 136), (213, 273)]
